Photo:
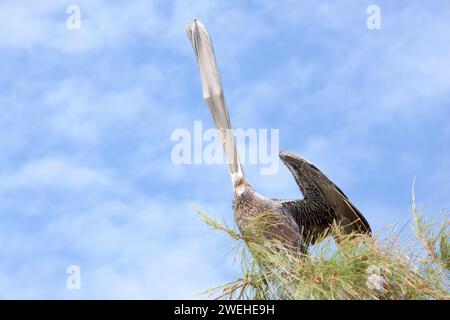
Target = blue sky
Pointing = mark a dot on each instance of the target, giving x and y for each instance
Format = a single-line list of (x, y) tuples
[(86, 176)]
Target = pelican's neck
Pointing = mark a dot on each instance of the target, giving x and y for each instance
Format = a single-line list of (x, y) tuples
[(239, 183)]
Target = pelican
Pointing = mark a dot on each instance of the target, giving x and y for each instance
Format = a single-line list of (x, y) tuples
[(298, 223)]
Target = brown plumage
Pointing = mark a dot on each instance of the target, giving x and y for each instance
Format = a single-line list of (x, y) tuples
[(295, 222)]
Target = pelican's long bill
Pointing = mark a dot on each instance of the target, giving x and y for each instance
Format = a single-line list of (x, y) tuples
[(214, 96)]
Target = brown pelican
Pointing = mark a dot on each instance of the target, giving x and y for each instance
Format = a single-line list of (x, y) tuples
[(297, 223)]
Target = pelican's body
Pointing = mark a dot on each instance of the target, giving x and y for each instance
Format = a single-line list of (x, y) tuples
[(250, 206), (297, 222)]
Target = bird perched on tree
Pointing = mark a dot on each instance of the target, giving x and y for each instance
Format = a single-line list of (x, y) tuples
[(296, 223)]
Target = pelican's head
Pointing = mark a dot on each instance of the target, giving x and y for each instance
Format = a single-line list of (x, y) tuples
[(239, 183)]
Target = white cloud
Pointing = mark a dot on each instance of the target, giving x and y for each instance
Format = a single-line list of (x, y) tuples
[(127, 244), (54, 172)]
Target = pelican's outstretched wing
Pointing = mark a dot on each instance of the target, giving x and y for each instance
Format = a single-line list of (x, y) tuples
[(323, 200)]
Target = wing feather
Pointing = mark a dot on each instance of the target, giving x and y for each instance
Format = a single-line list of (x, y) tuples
[(314, 185)]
